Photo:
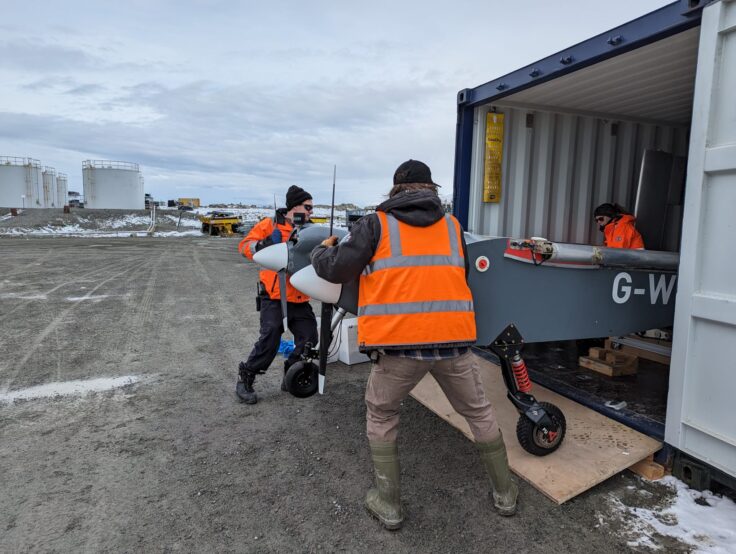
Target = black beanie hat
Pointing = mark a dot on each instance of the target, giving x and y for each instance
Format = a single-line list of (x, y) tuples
[(295, 196)]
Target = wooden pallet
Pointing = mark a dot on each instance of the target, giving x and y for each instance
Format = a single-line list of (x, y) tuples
[(613, 363)]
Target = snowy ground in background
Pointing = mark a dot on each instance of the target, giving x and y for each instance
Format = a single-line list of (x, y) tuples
[(118, 223), (702, 520), (98, 223), (253, 215)]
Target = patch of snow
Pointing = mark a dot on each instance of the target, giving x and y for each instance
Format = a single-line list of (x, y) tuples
[(68, 388), (185, 221), (94, 298), (126, 221), (701, 519), (177, 233)]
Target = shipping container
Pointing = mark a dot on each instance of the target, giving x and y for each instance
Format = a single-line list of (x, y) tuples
[(644, 116)]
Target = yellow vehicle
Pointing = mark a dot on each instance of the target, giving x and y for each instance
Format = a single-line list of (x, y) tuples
[(220, 223), (191, 202)]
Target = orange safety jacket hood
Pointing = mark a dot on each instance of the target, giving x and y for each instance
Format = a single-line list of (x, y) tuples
[(270, 279), (621, 233), (413, 292)]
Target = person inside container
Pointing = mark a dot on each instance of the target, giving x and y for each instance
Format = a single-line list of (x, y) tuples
[(301, 320), (415, 316), (618, 227)]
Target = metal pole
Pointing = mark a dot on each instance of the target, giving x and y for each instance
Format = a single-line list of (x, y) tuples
[(332, 209)]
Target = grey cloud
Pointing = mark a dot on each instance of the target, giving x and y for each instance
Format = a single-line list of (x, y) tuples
[(48, 83), (38, 56), (83, 90), (49, 58), (251, 134)]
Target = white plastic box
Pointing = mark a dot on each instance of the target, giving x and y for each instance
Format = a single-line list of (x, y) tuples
[(348, 352)]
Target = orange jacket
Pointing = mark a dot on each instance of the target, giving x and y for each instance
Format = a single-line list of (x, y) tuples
[(413, 292), (621, 233), (270, 279)]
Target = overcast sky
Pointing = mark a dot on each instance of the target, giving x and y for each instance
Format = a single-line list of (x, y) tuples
[(233, 101)]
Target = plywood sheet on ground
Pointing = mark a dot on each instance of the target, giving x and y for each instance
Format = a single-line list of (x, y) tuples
[(595, 448)]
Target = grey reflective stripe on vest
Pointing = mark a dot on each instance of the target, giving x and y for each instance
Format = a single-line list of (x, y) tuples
[(454, 246), (396, 259), (393, 233), (413, 261), (252, 246), (403, 308)]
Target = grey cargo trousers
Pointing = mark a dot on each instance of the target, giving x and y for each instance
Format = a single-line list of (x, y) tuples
[(392, 378)]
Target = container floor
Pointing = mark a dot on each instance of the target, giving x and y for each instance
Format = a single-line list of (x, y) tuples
[(644, 393)]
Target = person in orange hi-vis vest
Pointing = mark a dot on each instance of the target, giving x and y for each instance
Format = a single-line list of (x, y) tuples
[(617, 227), (301, 320), (415, 316)]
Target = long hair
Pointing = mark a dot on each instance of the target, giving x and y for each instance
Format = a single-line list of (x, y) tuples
[(404, 187)]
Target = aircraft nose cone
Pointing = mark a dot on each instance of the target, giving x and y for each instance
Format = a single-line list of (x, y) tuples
[(307, 281), (274, 257)]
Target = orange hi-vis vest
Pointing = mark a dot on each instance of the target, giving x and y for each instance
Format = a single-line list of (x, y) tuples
[(270, 279), (413, 292)]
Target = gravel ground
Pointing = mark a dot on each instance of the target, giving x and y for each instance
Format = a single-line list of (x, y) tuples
[(173, 462)]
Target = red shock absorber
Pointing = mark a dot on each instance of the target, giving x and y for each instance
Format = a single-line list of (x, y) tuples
[(520, 374)]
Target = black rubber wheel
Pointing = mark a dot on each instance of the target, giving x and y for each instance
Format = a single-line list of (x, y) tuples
[(537, 440), (301, 379)]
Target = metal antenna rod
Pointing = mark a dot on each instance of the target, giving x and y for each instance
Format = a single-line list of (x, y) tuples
[(332, 209)]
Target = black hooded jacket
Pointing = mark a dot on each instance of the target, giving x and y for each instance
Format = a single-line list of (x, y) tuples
[(344, 263)]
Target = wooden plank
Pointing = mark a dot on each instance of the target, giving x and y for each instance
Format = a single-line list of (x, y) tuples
[(648, 469), (610, 363), (594, 449)]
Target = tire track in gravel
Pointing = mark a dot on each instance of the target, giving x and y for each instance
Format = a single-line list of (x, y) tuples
[(85, 277), (39, 338), (134, 334), (215, 303)]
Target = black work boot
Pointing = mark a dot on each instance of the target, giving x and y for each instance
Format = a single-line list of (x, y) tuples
[(244, 388)]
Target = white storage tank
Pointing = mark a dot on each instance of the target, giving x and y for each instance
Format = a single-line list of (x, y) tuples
[(48, 198), (21, 182), (112, 185), (62, 188)]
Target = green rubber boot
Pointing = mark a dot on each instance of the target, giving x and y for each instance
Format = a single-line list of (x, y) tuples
[(384, 500), (496, 462)]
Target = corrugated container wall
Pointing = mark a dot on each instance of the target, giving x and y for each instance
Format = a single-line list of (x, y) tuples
[(48, 199), (550, 161)]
